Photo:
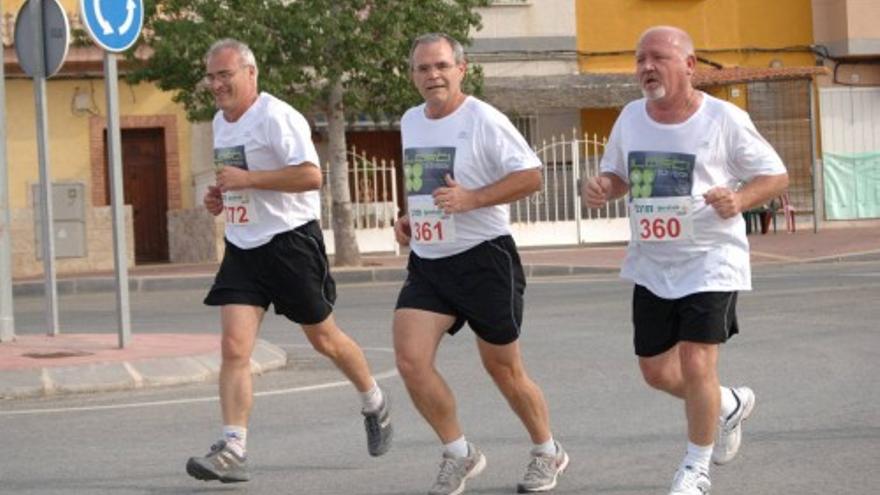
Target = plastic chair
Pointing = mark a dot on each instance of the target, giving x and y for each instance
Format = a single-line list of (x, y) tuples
[(788, 213), (759, 219)]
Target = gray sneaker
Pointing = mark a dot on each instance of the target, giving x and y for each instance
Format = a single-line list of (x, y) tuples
[(221, 464), (454, 471), (379, 428), (542, 471)]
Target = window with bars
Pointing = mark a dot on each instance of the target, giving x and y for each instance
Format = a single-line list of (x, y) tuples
[(782, 114), (527, 125)]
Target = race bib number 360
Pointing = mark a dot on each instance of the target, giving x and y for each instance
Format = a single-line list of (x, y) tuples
[(662, 219), (428, 223)]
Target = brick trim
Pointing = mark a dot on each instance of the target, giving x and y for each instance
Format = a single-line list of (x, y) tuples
[(168, 123)]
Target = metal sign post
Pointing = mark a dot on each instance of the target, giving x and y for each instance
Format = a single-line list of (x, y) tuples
[(7, 320), (115, 26), (114, 158), (42, 34)]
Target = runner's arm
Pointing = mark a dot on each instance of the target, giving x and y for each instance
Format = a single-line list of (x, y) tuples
[(600, 189), (514, 186), (755, 192), (402, 230), (303, 177)]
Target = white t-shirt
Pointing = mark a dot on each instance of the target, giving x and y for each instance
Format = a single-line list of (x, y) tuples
[(269, 136), (672, 166), (478, 146)]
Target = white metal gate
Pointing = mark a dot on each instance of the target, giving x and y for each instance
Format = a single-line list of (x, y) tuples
[(555, 215), (373, 186)]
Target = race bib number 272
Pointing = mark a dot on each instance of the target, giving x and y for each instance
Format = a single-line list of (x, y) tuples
[(238, 208)]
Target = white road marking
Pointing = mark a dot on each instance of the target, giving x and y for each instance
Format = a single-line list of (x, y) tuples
[(173, 402)]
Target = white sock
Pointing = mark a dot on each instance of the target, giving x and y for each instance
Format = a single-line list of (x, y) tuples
[(372, 399), (698, 456), (546, 448), (457, 448), (728, 402), (236, 438)]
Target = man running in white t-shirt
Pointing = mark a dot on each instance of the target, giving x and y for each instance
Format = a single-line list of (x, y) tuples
[(268, 179), (691, 164), (464, 162)]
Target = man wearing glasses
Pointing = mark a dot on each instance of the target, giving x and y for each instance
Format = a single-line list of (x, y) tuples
[(464, 163), (267, 185)]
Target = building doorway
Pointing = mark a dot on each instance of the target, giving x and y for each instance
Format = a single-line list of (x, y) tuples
[(144, 177)]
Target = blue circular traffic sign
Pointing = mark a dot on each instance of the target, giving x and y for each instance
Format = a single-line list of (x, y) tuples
[(113, 24)]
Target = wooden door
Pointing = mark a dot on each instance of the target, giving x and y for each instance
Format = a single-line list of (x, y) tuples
[(145, 188)]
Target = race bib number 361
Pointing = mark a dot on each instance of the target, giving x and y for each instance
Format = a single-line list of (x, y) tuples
[(662, 219), (426, 169), (428, 223)]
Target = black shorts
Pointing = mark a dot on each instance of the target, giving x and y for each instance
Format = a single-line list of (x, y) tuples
[(291, 272), (707, 317), (482, 286)]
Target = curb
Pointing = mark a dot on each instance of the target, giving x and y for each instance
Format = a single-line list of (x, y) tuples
[(127, 375), (146, 283)]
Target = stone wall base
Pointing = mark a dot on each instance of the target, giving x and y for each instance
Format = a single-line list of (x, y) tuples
[(98, 249), (194, 236)]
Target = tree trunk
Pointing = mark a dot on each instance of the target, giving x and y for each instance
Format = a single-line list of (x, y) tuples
[(347, 253)]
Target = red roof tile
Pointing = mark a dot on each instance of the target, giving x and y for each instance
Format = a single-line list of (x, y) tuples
[(736, 75)]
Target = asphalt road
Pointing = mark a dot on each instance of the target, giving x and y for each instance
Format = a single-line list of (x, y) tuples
[(809, 347)]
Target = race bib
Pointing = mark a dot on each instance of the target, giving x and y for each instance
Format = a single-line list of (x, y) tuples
[(428, 222), (238, 209), (662, 219), (425, 170), (660, 191)]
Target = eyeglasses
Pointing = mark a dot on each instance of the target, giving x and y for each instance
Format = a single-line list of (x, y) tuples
[(439, 67), (223, 76)]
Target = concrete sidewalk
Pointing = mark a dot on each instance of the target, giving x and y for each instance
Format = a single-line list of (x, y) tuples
[(38, 365)]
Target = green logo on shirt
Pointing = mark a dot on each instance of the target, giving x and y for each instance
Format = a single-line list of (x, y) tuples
[(426, 168), (413, 174), (641, 182), (657, 174)]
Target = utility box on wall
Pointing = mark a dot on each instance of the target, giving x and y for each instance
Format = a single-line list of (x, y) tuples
[(69, 219)]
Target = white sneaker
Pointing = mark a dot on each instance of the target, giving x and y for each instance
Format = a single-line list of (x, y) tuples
[(729, 433), (690, 481)]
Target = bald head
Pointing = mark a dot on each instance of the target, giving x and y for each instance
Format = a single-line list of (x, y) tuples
[(671, 34), (665, 63)]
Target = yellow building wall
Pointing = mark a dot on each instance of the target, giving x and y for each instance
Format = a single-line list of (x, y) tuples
[(70, 156), (68, 139), (615, 25), (597, 122), (722, 30)]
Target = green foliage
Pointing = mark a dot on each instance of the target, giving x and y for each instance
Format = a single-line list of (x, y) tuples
[(301, 47)]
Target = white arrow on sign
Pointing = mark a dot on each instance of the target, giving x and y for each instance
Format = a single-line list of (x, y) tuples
[(103, 22), (129, 18)]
